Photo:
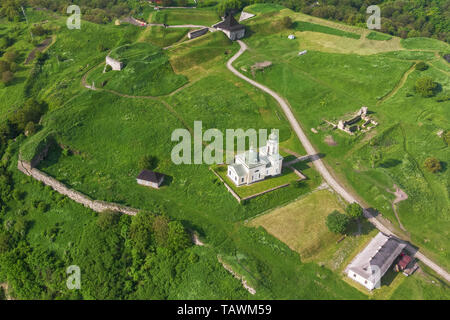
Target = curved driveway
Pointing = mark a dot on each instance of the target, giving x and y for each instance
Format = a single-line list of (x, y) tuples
[(318, 163)]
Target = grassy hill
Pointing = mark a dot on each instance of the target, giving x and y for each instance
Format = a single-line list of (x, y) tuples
[(102, 135)]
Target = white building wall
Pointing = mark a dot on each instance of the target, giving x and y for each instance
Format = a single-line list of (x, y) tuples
[(356, 277)]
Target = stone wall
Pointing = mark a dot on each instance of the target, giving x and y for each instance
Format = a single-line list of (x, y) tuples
[(197, 33), (76, 196)]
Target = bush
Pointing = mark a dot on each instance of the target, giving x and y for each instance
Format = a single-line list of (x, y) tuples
[(107, 219), (108, 68), (30, 129), (4, 66), (148, 162), (433, 165), (426, 87), (421, 66), (337, 222), (446, 137), (7, 77)]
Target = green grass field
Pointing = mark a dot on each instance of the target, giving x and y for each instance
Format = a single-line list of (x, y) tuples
[(378, 36), (328, 86), (199, 16), (307, 26), (146, 72), (108, 134)]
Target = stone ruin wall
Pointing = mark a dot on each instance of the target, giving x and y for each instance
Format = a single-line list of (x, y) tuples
[(98, 206)]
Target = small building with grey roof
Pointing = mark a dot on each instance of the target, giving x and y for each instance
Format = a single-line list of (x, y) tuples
[(233, 29), (150, 179), (370, 265)]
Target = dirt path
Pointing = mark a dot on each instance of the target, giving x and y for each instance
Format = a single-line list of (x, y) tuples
[(400, 195), (319, 164), (399, 85)]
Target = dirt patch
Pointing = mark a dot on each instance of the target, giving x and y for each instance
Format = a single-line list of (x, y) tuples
[(400, 195), (40, 47), (330, 141)]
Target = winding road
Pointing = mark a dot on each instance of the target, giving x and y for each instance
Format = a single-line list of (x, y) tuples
[(320, 166)]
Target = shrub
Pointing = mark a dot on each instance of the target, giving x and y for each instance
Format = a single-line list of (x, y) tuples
[(42, 207), (421, 66), (426, 87), (30, 129), (4, 66), (107, 219), (10, 56), (148, 162), (7, 77), (108, 68), (337, 222), (446, 137), (433, 165)]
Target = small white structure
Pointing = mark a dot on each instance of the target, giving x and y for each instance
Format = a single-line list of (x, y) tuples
[(253, 165), (115, 64), (291, 37), (231, 28), (245, 16), (197, 33), (150, 179), (303, 52), (371, 264)]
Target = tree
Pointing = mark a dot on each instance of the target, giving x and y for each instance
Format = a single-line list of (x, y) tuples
[(7, 77), (433, 165), (177, 239), (354, 210), (337, 222), (426, 87)]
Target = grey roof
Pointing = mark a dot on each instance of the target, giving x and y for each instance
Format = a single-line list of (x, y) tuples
[(239, 168), (380, 252), (150, 176), (229, 23)]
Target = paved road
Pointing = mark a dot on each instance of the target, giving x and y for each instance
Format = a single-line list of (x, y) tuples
[(320, 166)]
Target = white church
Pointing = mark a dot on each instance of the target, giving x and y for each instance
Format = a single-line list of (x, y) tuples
[(253, 165)]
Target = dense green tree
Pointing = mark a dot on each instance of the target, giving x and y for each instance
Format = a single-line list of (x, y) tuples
[(337, 222), (354, 210)]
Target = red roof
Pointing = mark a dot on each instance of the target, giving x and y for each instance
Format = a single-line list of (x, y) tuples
[(404, 261)]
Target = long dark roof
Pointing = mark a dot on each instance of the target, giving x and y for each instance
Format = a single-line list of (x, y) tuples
[(151, 176), (229, 24)]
